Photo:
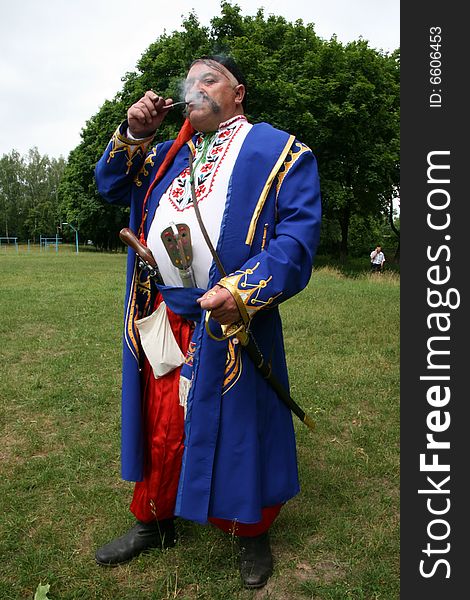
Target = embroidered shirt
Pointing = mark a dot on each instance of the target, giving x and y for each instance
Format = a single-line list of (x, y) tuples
[(214, 160)]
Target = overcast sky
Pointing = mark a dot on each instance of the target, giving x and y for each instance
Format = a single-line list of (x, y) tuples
[(61, 59)]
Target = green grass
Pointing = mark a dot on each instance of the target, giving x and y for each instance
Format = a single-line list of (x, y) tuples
[(60, 488)]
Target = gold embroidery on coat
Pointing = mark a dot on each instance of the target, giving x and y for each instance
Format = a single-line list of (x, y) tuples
[(265, 232), (233, 365), (132, 148), (295, 152), (149, 160), (264, 194), (250, 292)]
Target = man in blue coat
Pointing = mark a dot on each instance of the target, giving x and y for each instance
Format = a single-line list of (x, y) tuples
[(204, 436)]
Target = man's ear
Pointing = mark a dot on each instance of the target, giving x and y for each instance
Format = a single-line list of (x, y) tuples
[(239, 93)]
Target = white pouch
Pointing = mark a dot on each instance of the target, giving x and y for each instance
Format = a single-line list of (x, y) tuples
[(158, 342)]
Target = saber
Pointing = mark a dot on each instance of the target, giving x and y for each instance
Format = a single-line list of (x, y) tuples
[(240, 329), (146, 259), (245, 338)]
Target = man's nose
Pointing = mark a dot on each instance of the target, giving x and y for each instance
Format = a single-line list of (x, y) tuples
[(193, 86)]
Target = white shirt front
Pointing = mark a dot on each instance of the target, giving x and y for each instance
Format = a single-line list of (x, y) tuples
[(377, 258), (213, 165)]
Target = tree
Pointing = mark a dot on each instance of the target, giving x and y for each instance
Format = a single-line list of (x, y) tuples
[(11, 194), (359, 141), (29, 201), (341, 100), (79, 200), (41, 179)]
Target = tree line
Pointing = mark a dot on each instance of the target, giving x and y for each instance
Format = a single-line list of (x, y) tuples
[(29, 195), (342, 100)]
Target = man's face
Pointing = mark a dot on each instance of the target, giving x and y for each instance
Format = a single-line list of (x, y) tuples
[(213, 94)]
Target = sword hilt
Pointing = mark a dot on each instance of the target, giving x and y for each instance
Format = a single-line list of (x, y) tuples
[(228, 331), (131, 240), (146, 258)]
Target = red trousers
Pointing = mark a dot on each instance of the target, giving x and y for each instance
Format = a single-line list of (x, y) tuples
[(163, 417)]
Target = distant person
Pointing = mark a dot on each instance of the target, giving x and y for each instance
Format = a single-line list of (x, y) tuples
[(377, 260)]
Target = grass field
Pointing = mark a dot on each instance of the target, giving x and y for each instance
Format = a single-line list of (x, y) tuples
[(60, 490)]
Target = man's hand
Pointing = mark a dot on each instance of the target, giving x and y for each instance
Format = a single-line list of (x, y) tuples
[(146, 115), (221, 304)]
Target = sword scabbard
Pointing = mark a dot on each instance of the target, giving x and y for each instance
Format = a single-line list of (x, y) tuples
[(309, 422), (240, 331)]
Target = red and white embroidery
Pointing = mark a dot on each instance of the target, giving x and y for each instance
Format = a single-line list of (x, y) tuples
[(179, 192)]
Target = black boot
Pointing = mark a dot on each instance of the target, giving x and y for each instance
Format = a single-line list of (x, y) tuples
[(256, 560), (143, 536)]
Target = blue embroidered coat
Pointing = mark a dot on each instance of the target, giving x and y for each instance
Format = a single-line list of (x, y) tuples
[(240, 453)]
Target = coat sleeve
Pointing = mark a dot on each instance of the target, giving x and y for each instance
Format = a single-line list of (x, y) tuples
[(125, 162), (283, 268)]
